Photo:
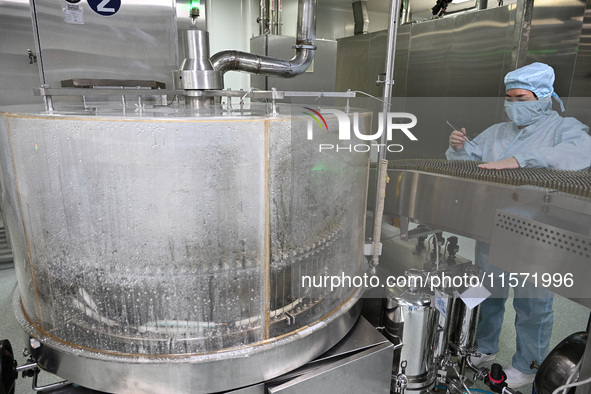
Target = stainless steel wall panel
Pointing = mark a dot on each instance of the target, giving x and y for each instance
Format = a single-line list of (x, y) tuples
[(555, 32), (353, 63), (468, 54), (578, 102), (582, 72), (460, 56), (430, 45), (361, 58), (478, 51), (465, 55), (138, 42), (400, 61), (17, 76), (376, 61)]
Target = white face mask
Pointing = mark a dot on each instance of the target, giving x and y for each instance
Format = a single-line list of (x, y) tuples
[(524, 113)]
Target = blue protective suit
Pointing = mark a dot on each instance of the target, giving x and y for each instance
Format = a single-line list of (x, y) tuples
[(551, 142)]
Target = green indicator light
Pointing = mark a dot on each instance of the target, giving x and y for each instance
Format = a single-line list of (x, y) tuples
[(195, 9)]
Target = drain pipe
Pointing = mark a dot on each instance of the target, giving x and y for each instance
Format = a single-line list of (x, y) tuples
[(305, 45), (387, 97)]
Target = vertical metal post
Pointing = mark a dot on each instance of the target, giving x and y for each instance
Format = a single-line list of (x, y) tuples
[(261, 19), (272, 16), (387, 94), (274, 103), (37, 44), (279, 16), (378, 213), (48, 101), (267, 20), (525, 9)]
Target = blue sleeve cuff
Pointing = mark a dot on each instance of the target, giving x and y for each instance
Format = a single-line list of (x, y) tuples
[(460, 154), (530, 160)]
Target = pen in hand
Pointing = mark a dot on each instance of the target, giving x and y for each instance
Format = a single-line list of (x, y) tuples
[(465, 135)]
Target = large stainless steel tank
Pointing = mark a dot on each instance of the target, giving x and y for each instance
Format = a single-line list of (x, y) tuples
[(162, 250)]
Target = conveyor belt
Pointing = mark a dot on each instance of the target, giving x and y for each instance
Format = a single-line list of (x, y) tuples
[(570, 182)]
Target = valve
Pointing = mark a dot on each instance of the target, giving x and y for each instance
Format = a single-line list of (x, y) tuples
[(496, 380), (452, 246), (401, 381)]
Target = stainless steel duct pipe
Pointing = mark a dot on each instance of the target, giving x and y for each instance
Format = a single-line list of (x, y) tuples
[(360, 17), (305, 45)]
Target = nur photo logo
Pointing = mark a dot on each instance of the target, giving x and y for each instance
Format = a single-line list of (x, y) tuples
[(391, 122)]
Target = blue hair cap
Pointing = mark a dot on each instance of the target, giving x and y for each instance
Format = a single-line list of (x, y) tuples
[(536, 77)]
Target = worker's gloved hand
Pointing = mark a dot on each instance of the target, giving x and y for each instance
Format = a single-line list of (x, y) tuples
[(457, 139), (505, 164)]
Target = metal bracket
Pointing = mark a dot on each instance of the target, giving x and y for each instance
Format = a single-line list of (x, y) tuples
[(290, 318), (368, 249), (383, 81), (47, 93), (404, 232), (274, 102), (49, 387), (32, 56)]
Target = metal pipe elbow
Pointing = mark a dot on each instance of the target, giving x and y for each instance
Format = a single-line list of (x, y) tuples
[(243, 61)]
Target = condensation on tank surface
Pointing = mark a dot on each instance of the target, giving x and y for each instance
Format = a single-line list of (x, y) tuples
[(147, 235)]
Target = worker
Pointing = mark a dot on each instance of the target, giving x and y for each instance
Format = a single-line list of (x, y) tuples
[(536, 136)]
